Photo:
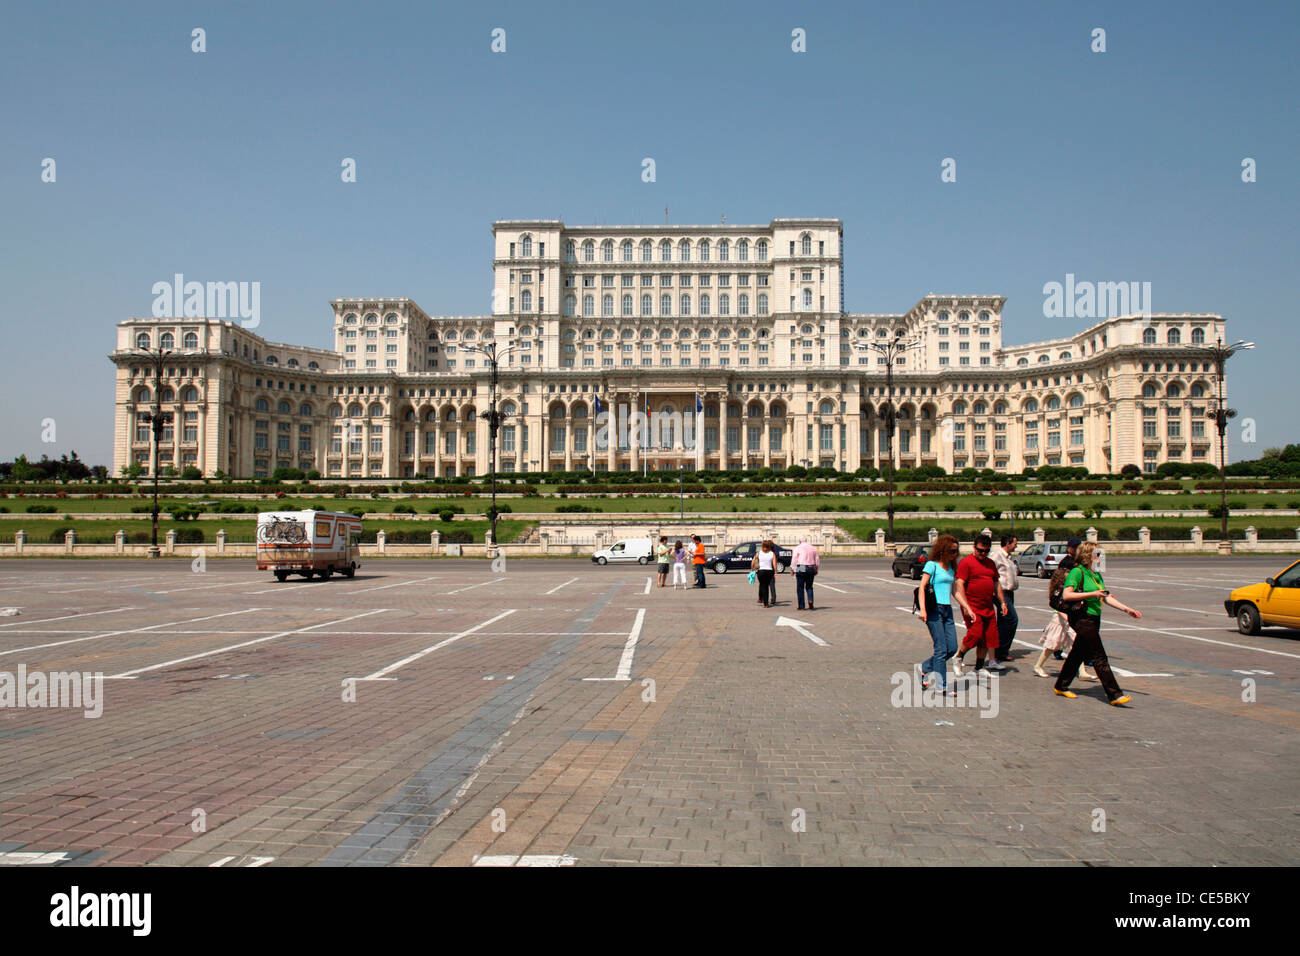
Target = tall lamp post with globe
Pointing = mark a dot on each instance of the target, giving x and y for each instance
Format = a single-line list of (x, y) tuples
[(158, 421), (492, 416), (1221, 414), (890, 350)]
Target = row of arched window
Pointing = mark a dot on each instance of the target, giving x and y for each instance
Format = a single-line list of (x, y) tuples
[(189, 394), (703, 250), (1173, 336), (167, 340), (684, 305), (370, 319)]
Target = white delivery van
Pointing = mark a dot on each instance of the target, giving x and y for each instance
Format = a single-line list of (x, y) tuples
[(308, 543), (628, 549)]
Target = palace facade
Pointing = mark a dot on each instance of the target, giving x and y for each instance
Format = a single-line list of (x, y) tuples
[(746, 323)]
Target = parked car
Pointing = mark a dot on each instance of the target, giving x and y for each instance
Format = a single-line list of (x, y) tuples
[(628, 549), (1040, 559), (1274, 602), (740, 557), (910, 559)]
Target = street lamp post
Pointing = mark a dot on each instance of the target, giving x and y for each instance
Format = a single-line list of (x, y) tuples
[(1219, 354), (158, 420), (890, 350), (493, 417)]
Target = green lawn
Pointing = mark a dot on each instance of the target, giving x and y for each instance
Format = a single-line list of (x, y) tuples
[(1178, 529), (240, 528), (670, 503)]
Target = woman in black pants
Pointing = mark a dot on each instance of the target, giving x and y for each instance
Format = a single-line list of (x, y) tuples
[(765, 564), (1085, 590)]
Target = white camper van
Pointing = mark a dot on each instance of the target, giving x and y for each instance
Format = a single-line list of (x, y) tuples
[(308, 543), (628, 549)]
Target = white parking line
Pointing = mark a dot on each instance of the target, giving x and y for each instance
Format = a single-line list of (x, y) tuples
[(134, 630), (473, 586), (647, 585), (282, 587), (130, 675), (629, 649), (558, 586), (67, 616), (383, 672), (399, 584), (203, 587)]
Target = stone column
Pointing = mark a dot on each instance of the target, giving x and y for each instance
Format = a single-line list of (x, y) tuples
[(171, 541), (544, 453), (437, 445), (381, 541), (1252, 536), (221, 541), (1039, 536), (698, 417), (416, 448), (435, 539), (634, 434), (611, 446), (880, 540), (1144, 536), (119, 542), (20, 540), (568, 442), (933, 535), (722, 431), (70, 541), (1091, 534), (1198, 536), (767, 440)]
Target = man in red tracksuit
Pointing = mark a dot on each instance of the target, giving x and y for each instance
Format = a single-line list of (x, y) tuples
[(975, 590)]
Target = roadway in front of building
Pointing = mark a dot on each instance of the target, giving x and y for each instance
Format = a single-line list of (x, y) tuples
[(558, 713)]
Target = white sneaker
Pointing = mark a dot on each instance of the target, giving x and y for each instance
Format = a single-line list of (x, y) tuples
[(995, 666)]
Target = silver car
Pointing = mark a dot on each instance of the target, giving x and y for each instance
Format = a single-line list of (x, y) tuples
[(1040, 559)]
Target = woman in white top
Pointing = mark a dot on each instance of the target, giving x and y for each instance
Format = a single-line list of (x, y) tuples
[(679, 555), (765, 564)]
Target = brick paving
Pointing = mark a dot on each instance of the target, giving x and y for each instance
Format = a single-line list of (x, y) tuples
[(477, 733)]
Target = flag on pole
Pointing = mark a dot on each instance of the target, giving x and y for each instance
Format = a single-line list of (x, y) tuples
[(699, 405), (597, 401)]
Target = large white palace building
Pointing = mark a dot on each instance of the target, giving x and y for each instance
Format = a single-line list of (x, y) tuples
[(747, 322)]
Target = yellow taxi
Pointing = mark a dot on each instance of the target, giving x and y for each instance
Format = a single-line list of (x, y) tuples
[(1276, 602)]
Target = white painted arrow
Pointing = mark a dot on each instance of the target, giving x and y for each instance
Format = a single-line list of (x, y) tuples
[(802, 628)]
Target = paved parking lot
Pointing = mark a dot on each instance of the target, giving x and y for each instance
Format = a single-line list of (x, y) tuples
[(553, 712)]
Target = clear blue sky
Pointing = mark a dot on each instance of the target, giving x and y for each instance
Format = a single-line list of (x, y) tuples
[(225, 165)]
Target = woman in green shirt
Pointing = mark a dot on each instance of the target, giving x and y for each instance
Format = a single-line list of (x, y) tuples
[(1085, 591)]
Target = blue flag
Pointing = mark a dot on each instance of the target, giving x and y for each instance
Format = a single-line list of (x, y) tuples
[(597, 400), (699, 406)]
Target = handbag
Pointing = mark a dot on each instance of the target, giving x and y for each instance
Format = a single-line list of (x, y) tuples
[(753, 576)]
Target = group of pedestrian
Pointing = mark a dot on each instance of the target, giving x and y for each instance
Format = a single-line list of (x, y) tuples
[(676, 557), (804, 561), (983, 585)]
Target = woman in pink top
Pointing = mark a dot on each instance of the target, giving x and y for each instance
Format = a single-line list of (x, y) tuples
[(804, 562)]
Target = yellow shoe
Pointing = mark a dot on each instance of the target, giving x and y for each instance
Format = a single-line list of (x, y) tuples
[(1064, 693), (1120, 700)]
